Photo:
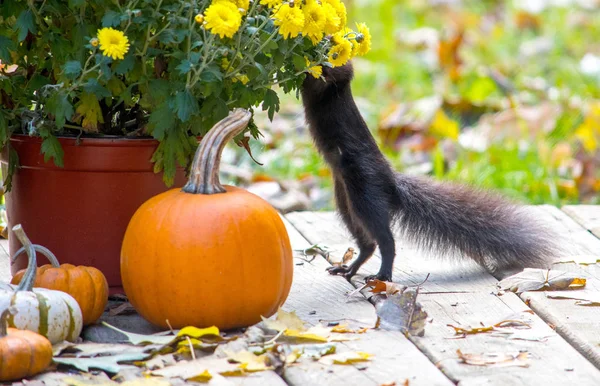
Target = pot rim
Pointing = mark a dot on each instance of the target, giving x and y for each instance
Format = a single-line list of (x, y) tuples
[(108, 140)]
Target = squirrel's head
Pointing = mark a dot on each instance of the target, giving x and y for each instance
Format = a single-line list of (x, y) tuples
[(335, 78)]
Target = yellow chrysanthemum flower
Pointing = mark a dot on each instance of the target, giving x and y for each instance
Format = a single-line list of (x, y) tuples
[(242, 78), (113, 43), (271, 3), (289, 20), (364, 39), (240, 4), (332, 19), (315, 71), (314, 21), (223, 18), (340, 53), (348, 35), (340, 9)]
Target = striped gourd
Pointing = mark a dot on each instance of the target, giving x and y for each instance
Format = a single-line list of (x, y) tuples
[(53, 314)]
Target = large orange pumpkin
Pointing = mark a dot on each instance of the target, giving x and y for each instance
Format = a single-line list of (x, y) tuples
[(207, 254), (87, 285)]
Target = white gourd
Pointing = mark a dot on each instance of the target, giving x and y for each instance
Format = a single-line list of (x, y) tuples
[(53, 314)]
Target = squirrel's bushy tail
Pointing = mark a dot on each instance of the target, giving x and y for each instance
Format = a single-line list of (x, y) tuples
[(453, 219)]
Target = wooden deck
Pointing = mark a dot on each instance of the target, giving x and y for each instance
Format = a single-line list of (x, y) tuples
[(563, 344)]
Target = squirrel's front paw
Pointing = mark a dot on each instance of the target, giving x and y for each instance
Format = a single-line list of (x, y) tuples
[(342, 270), (383, 276)]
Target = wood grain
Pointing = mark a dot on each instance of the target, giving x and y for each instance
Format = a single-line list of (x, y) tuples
[(464, 294), (315, 296)]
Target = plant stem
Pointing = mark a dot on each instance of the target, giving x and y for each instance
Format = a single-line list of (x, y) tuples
[(204, 173)]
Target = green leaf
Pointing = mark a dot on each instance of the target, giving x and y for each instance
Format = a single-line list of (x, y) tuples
[(185, 105), (72, 69), (161, 120), (116, 86), (271, 102), (3, 129), (211, 73), (125, 65), (51, 148), (25, 24), (73, 4), (111, 19), (13, 163), (299, 62), (59, 106), (184, 67), (93, 87), (6, 45), (108, 363)]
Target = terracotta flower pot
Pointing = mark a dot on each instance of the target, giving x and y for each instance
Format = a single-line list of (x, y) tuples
[(80, 212)]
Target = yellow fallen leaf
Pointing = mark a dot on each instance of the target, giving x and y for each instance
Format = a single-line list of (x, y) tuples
[(249, 361), (197, 333), (285, 321), (202, 378), (344, 329), (346, 358)]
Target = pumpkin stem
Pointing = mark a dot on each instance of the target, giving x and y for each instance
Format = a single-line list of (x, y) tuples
[(28, 279), (44, 251), (12, 310), (204, 174)]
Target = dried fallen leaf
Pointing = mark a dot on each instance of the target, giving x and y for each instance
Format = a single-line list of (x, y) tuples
[(158, 362), (584, 298), (316, 351), (345, 329), (290, 326), (187, 370), (389, 288), (285, 321), (249, 361), (138, 339), (121, 309), (345, 358), (579, 259), (520, 359), (108, 363), (470, 330), (402, 312), (533, 279)]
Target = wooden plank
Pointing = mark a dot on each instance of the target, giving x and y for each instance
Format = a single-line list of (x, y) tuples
[(463, 301), (410, 268), (577, 324), (316, 296), (588, 216)]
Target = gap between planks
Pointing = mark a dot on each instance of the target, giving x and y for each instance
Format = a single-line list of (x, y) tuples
[(463, 294)]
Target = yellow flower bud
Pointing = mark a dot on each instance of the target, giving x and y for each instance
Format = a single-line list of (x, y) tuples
[(94, 42), (199, 18)]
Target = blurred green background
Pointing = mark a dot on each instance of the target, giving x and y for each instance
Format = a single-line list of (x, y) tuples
[(498, 94)]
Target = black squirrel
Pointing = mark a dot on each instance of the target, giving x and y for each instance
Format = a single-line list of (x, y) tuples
[(371, 197)]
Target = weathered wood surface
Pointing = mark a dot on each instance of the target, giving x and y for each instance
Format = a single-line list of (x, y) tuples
[(580, 325), (464, 294), (317, 296)]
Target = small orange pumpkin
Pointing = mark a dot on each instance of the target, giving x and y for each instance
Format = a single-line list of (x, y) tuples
[(23, 353), (207, 254), (87, 285)]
